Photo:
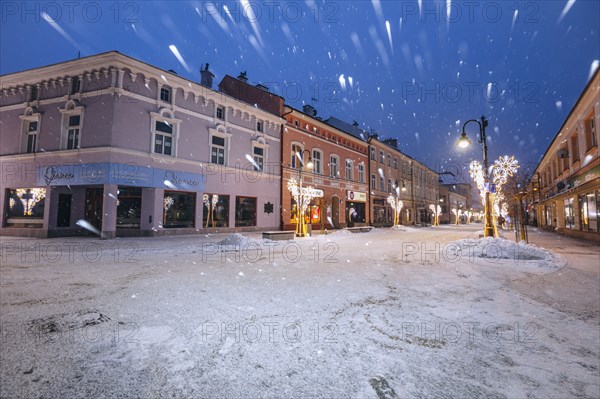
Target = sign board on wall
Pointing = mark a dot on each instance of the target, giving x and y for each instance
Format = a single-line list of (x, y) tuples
[(120, 174), (356, 196)]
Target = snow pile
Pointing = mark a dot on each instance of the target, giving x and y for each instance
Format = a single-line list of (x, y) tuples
[(500, 248), (237, 240)]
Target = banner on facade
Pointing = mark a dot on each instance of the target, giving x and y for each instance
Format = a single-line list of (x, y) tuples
[(120, 174), (356, 196)]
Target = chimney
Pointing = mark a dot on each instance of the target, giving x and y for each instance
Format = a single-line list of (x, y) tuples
[(243, 77), (355, 123), (206, 77), (309, 110)]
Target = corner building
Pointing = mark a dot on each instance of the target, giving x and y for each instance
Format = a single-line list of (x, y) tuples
[(112, 145)]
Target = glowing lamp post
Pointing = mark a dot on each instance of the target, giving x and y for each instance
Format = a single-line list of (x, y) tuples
[(464, 142)]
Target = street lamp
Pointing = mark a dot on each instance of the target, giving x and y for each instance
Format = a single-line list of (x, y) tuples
[(464, 142)]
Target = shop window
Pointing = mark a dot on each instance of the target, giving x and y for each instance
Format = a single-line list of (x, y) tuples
[(355, 212), (25, 206), (245, 211), (179, 209), (569, 216), (129, 206), (588, 211), (216, 210)]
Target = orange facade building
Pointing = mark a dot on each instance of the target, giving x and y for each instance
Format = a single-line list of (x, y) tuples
[(339, 168)]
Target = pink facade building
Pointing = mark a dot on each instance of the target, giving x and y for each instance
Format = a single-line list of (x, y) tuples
[(115, 146)]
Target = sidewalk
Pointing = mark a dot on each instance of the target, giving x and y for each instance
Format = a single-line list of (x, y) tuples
[(574, 289)]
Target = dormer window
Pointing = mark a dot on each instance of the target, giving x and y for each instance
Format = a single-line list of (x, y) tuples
[(165, 94)]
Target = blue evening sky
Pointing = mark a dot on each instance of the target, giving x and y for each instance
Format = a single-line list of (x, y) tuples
[(415, 70)]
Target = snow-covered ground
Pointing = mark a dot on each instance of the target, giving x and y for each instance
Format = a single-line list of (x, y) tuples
[(413, 312)]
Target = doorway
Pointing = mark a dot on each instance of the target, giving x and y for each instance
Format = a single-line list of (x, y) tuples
[(335, 212), (63, 217), (93, 206)]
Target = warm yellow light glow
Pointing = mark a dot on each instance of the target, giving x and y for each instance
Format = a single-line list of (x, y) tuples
[(463, 141)]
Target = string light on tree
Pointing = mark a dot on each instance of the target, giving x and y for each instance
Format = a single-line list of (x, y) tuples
[(437, 210), (397, 206)]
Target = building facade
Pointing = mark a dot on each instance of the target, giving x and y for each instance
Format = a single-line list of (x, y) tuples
[(454, 197), (115, 146), (394, 173), (564, 193), (339, 169)]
